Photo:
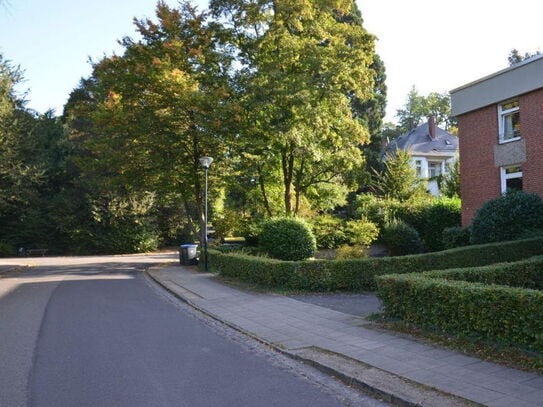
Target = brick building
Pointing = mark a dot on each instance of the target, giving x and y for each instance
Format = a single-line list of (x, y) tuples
[(500, 127)]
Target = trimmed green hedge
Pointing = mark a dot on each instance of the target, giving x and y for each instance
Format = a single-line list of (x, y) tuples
[(469, 302), (359, 274), (523, 274)]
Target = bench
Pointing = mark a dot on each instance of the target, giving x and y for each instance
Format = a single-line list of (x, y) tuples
[(30, 252)]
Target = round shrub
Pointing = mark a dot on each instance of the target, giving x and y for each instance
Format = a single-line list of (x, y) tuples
[(361, 232), (328, 232), (287, 239), (401, 239), (509, 217)]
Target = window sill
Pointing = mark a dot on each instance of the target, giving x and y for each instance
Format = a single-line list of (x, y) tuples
[(501, 141)]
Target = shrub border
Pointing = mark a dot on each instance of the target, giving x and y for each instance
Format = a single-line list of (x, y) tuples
[(359, 274), (479, 308)]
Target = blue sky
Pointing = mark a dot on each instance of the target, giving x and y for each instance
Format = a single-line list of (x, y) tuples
[(434, 45)]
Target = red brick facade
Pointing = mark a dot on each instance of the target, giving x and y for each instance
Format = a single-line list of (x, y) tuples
[(478, 133)]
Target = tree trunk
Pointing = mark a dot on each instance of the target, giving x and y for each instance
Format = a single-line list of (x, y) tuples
[(287, 162), (263, 191)]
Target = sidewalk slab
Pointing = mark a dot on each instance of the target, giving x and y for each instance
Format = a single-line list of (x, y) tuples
[(295, 327)]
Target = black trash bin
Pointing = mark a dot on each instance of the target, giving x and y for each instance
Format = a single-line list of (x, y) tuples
[(188, 255)]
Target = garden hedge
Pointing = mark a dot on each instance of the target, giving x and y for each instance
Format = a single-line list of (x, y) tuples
[(359, 274), (501, 303)]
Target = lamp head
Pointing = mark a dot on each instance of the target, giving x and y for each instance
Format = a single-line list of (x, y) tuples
[(205, 161)]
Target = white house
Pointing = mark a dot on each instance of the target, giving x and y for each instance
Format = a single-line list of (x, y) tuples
[(433, 151)]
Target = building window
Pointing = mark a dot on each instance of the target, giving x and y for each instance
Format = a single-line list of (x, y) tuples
[(418, 167), (511, 178), (509, 121), (434, 169)]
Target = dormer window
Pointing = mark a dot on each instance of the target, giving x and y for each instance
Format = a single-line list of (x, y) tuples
[(509, 121)]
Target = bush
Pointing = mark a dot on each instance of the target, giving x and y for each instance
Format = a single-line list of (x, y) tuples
[(359, 274), (429, 216), (469, 302), (439, 215), (6, 250), (287, 239), (230, 223), (401, 239), (328, 231), (508, 217), (361, 232), (351, 252), (251, 230), (456, 237)]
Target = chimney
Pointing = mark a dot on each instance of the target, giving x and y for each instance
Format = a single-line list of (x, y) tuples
[(432, 127)]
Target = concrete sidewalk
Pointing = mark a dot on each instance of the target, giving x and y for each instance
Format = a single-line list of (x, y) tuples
[(396, 368)]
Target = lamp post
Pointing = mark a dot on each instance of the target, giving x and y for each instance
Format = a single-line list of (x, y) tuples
[(206, 163)]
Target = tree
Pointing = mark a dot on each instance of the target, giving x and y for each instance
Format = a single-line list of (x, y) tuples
[(399, 180), (148, 116), (418, 107), (303, 63), (450, 183), (33, 151), (516, 57)]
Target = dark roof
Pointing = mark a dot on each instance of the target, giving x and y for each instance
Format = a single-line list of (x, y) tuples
[(418, 141)]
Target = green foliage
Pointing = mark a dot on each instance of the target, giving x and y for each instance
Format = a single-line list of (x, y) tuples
[(228, 224), (440, 214), (450, 183), (329, 231), (117, 224), (361, 232), (399, 180), (456, 236), (251, 230), (429, 216), (359, 274), (501, 302), (351, 252), (302, 71), (508, 217), (287, 239), (6, 249), (401, 239), (418, 107), (523, 274)]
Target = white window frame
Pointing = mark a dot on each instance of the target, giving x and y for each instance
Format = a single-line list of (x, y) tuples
[(502, 114), (504, 176), (418, 168), (438, 165)]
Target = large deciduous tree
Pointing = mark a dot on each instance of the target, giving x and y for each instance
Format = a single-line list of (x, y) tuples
[(157, 108), (418, 107), (302, 63)]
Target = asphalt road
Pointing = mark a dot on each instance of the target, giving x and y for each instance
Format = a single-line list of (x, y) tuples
[(97, 332)]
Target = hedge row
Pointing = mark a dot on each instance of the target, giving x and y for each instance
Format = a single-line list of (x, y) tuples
[(478, 307), (359, 274), (523, 274)]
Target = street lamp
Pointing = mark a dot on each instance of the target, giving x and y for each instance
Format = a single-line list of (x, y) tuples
[(206, 163)]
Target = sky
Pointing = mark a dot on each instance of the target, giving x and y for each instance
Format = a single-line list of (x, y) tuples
[(433, 45)]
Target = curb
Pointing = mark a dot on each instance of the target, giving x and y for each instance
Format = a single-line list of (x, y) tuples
[(408, 394)]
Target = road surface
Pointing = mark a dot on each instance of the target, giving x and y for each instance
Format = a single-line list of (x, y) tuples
[(95, 331)]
